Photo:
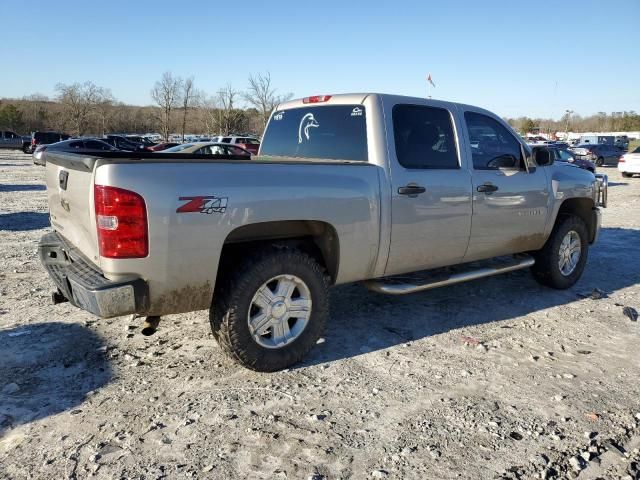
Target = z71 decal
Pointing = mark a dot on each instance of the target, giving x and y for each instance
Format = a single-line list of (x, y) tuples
[(203, 204)]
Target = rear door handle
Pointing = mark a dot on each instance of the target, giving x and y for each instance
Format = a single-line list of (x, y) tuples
[(487, 188), (411, 190)]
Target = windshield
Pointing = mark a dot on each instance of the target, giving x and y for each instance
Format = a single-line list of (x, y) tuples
[(637, 150), (328, 132), (178, 148)]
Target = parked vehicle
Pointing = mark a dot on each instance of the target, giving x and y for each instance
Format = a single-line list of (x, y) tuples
[(248, 143), (162, 146), (622, 142), (46, 138), (358, 187), (10, 140), (123, 143), (147, 142), (209, 148), (599, 154), (564, 155), (629, 164), (76, 145)]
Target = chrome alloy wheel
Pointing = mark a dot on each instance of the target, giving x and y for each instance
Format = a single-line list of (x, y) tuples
[(570, 252), (279, 311)]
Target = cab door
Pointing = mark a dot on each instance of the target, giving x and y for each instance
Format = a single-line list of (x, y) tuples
[(510, 196), (431, 188)]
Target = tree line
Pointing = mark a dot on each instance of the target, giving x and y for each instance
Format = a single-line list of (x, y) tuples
[(178, 107), (627, 121)]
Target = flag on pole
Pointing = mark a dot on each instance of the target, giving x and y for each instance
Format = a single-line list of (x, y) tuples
[(430, 80)]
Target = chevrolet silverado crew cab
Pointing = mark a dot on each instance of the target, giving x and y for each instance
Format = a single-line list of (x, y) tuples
[(346, 188)]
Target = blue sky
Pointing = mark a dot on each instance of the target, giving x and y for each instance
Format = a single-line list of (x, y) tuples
[(515, 58)]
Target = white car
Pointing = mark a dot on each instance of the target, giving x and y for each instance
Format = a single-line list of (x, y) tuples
[(629, 163)]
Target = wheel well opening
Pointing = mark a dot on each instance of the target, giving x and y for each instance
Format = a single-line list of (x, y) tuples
[(582, 208), (317, 239)]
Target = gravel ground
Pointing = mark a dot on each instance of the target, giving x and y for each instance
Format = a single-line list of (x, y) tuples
[(499, 378)]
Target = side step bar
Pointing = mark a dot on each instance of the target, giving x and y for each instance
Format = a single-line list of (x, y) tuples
[(381, 286)]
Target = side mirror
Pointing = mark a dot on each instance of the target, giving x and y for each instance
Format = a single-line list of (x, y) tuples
[(543, 157)]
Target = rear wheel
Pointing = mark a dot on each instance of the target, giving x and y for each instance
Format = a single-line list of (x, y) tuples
[(270, 312), (560, 263), (627, 175), (600, 161)]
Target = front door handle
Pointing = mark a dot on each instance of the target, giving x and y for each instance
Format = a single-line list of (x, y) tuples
[(411, 190), (487, 188)]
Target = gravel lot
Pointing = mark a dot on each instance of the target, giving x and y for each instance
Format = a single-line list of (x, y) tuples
[(499, 378)]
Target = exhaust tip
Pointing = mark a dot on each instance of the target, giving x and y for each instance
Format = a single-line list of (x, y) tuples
[(150, 326)]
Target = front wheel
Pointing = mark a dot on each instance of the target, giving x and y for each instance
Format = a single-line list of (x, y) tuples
[(600, 162), (560, 263), (627, 175), (269, 313)]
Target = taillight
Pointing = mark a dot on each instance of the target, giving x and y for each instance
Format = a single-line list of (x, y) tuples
[(33, 141), (316, 99), (121, 220), (622, 159)]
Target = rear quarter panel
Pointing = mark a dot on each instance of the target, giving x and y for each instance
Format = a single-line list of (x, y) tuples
[(184, 248)]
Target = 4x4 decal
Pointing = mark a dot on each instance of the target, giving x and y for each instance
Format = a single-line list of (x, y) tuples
[(203, 204)]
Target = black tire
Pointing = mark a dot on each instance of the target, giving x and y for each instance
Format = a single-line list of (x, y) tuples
[(233, 298), (546, 270), (26, 148), (627, 175), (600, 162)]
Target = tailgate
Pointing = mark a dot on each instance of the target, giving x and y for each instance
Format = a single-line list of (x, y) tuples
[(69, 179)]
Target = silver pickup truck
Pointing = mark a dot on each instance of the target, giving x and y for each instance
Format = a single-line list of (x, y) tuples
[(346, 188)]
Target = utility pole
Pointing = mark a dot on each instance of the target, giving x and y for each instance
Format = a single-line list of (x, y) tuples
[(566, 127)]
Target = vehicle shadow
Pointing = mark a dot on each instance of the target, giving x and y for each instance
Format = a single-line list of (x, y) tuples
[(22, 188), (617, 184), (355, 329), (47, 368), (21, 221)]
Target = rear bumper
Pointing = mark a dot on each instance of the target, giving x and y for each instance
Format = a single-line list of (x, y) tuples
[(85, 286)]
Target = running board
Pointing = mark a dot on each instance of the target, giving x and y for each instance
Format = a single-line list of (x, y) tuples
[(382, 286)]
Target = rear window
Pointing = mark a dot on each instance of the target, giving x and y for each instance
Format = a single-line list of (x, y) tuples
[(332, 132)]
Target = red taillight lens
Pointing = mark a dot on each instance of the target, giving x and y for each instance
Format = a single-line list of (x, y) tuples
[(316, 99), (33, 141), (121, 219), (621, 159)]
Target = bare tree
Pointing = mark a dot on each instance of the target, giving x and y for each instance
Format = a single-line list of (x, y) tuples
[(262, 95), (188, 101), (208, 106), (229, 116), (104, 107), (166, 94), (79, 100)]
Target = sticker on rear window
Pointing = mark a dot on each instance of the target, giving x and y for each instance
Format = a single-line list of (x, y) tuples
[(308, 122)]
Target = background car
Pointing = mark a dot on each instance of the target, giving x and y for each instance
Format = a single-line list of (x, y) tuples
[(162, 146), (123, 143), (10, 140), (248, 143), (629, 163), (209, 148), (600, 154), (564, 155), (76, 145), (147, 142), (46, 138)]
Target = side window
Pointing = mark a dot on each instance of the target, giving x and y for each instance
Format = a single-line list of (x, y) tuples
[(9, 135), (492, 145), (424, 137), (226, 140), (76, 144), (563, 155)]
